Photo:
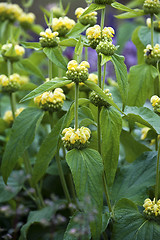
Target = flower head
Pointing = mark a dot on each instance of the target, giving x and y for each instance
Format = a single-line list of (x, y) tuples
[(10, 12), (11, 83), (26, 19), (98, 101), (89, 18), (151, 6), (8, 116), (12, 52), (49, 38), (62, 25), (152, 208)]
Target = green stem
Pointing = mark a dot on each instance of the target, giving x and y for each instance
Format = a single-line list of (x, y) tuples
[(62, 178), (158, 83), (99, 129), (104, 76), (99, 71), (107, 193), (51, 119), (76, 105), (50, 65), (152, 31), (9, 67), (157, 176), (86, 54), (13, 104), (102, 18), (72, 188)]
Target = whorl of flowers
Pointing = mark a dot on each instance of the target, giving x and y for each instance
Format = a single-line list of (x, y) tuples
[(90, 18), (51, 101), (12, 52), (76, 138), (155, 101), (26, 19), (8, 116), (104, 1), (49, 38), (10, 12), (97, 100), (95, 35), (77, 72), (62, 25), (151, 6), (11, 83), (152, 55), (151, 207)]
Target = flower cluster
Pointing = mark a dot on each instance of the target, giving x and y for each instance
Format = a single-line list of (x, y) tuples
[(51, 101), (26, 19), (49, 38), (151, 6), (106, 47), (8, 116), (90, 18), (155, 101), (98, 101), (152, 55), (62, 25), (151, 207), (11, 83), (9, 12), (77, 73), (12, 52), (76, 138), (104, 38)]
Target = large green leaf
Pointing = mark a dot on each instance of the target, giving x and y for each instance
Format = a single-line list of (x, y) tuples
[(47, 86), (140, 47), (22, 135), (144, 116), (93, 7), (36, 217), (14, 185), (121, 75), (130, 224), (93, 86), (55, 55), (141, 84), (3, 125), (32, 45), (87, 169), (144, 34), (111, 126), (131, 14), (71, 42), (29, 67), (134, 179), (76, 30), (133, 148)]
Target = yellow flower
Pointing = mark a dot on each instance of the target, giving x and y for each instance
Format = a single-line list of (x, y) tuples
[(144, 132), (93, 77), (79, 12), (154, 99), (72, 65), (108, 31), (148, 22), (151, 207), (8, 117), (4, 80), (19, 50), (27, 18), (18, 111), (62, 25), (94, 32), (84, 64)]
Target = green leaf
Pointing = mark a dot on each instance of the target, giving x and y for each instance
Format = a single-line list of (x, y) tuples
[(36, 217), (134, 179), (141, 84), (37, 28), (47, 86), (121, 75), (140, 47), (76, 30), (144, 34), (71, 42), (144, 116), (55, 55), (133, 14), (130, 224), (15, 183), (133, 148), (32, 45), (105, 59), (22, 135), (29, 67), (87, 170), (79, 47), (93, 86), (111, 126), (3, 125), (93, 7), (121, 7), (28, 86)]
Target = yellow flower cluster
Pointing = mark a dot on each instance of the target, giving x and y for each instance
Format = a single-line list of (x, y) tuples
[(95, 35), (76, 138), (151, 207), (15, 55), (11, 83), (51, 101), (77, 72), (26, 19), (49, 38), (8, 116), (62, 25), (89, 18), (93, 77), (10, 11), (155, 101), (152, 55)]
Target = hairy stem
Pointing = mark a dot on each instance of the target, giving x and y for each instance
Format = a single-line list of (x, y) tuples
[(13, 104), (50, 66), (104, 76), (157, 175), (152, 31), (76, 105)]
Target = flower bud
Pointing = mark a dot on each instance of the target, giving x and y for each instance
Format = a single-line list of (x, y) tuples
[(151, 6), (62, 25), (98, 101), (77, 73), (12, 52), (51, 101), (104, 1), (76, 138), (107, 48), (10, 84), (49, 38), (90, 18), (155, 101)]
